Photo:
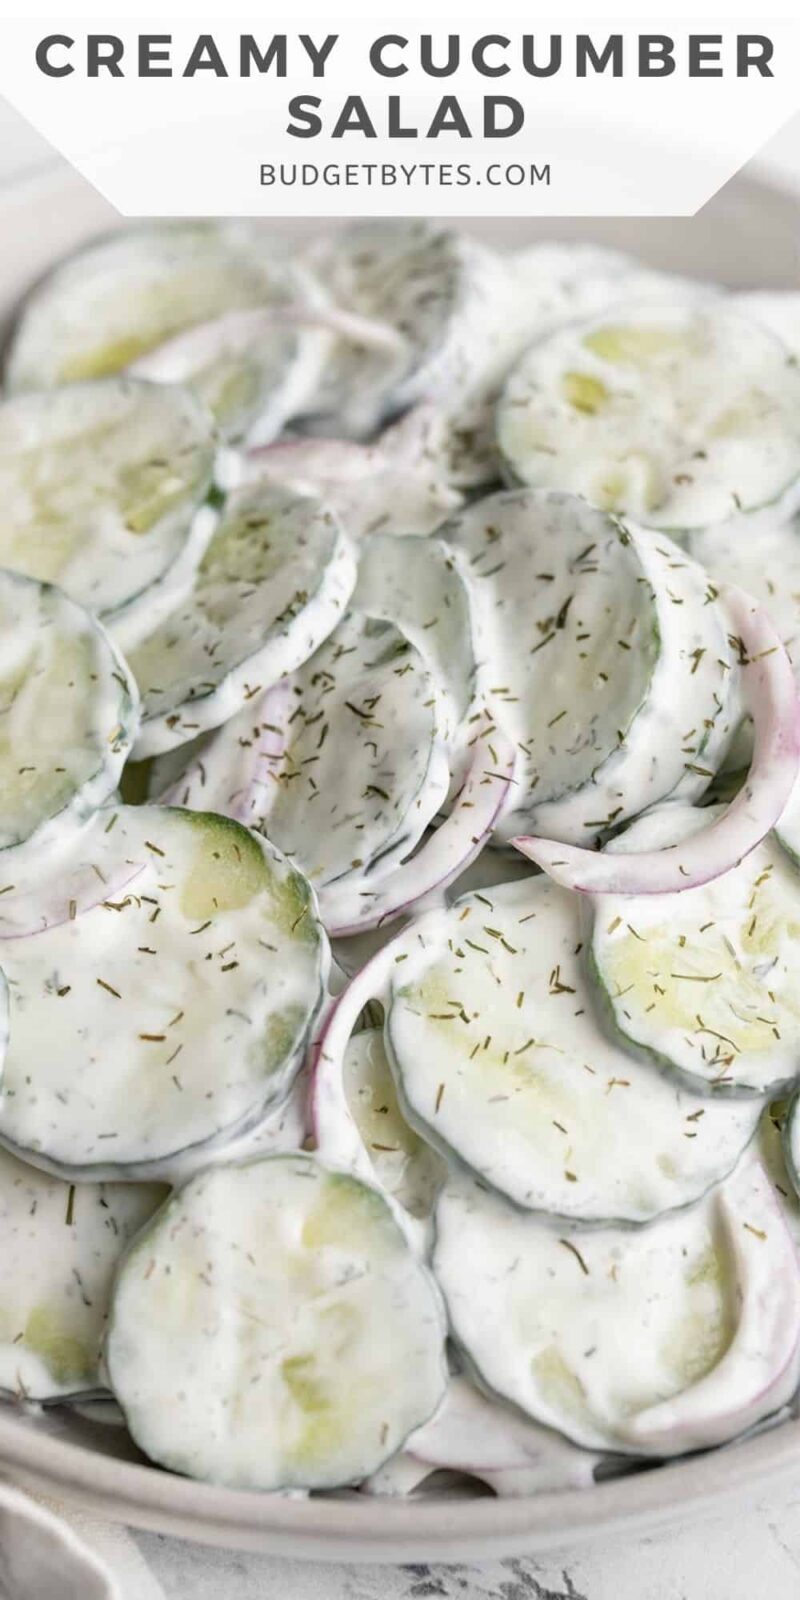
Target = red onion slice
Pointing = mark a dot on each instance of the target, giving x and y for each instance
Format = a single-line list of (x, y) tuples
[(332, 1124), (352, 907), (234, 333), (234, 772), (770, 695), (63, 884)]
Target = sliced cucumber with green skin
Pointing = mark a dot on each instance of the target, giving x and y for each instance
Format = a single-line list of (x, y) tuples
[(356, 1114), (436, 288), (548, 285), (365, 769), (271, 586), (768, 692), (396, 485), (272, 1330), (423, 587), (60, 1246), (499, 1061), (125, 294), (254, 370), (70, 713), (671, 1338), (609, 663), (103, 487), (706, 981), (679, 416), (395, 891), (181, 1007)]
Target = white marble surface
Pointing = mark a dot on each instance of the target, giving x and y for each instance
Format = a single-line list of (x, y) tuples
[(751, 1550)]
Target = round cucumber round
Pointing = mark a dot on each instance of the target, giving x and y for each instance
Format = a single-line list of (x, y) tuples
[(547, 285), (70, 712), (653, 1342), (271, 586), (159, 1023), (500, 1062), (103, 487), (125, 294), (60, 1246), (606, 660), (356, 1113), (364, 767), (705, 980), (679, 416), (422, 585), (271, 1329)]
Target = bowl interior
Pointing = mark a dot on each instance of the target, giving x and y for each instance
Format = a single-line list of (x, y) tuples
[(748, 235)]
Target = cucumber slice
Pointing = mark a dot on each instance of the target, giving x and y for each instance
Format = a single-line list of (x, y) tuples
[(347, 907), (422, 586), (769, 694), (252, 370), (60, 1246), (499, 1061), (666, 1339), (271, 586), (609, 665), (356, 1114), (706, 981), (181, 1008), (681, 417), (364, 770), (272, 1330), (437, 289), (103, 487), (548, 285), (125, 294), (69, 716)]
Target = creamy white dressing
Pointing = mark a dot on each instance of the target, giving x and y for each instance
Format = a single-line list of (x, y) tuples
[(397, 485)]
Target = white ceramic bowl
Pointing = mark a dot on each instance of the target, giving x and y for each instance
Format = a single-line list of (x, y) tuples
[(749, 235)]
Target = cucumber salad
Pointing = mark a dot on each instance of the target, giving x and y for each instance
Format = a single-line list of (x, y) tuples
[(399, 857)]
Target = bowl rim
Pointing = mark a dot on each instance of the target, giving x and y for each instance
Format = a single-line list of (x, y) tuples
[(384, 1529), (357, 1527)]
